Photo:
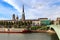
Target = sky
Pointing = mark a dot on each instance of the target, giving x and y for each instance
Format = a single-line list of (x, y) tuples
[(34, 9)]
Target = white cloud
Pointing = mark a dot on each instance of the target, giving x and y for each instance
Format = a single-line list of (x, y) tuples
[(14, 4), (37, 8), (2, 18), (6, 12)]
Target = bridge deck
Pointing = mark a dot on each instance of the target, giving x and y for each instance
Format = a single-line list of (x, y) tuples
[(57, 29)]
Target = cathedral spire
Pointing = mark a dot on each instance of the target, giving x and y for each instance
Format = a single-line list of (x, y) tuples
[(23, 14), (23, 9)]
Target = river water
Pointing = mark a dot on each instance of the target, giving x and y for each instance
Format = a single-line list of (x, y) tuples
[(28, 36)]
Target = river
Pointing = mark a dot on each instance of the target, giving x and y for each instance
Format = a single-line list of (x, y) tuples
[(28, 36)]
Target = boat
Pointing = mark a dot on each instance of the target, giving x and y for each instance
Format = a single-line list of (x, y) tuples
[(26, 31)]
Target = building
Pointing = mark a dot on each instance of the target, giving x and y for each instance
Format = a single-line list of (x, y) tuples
[(23, 14), (34, 22), (13, 17), (39, 21), (57, 21), (17, 18)]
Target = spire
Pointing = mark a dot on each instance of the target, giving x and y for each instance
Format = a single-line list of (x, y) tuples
[(23, 9), (17, 18), (23, 14)]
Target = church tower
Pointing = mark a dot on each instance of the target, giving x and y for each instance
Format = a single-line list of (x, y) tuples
[(13, 17), (23, 14), (17, 18)]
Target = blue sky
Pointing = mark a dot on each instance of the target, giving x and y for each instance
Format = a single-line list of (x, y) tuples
[(33, 9)]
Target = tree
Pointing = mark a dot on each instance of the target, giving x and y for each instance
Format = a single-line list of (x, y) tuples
[(52, 22)]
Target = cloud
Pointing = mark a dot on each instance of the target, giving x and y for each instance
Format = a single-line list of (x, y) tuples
[(37, 8), (6, 10), (2, 18), (14, 4)]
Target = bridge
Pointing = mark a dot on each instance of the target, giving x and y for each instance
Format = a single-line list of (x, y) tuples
[(56, 28)]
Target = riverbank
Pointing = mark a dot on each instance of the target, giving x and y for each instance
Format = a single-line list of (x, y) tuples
[(31, 31), (20, 30), (39, 31)]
